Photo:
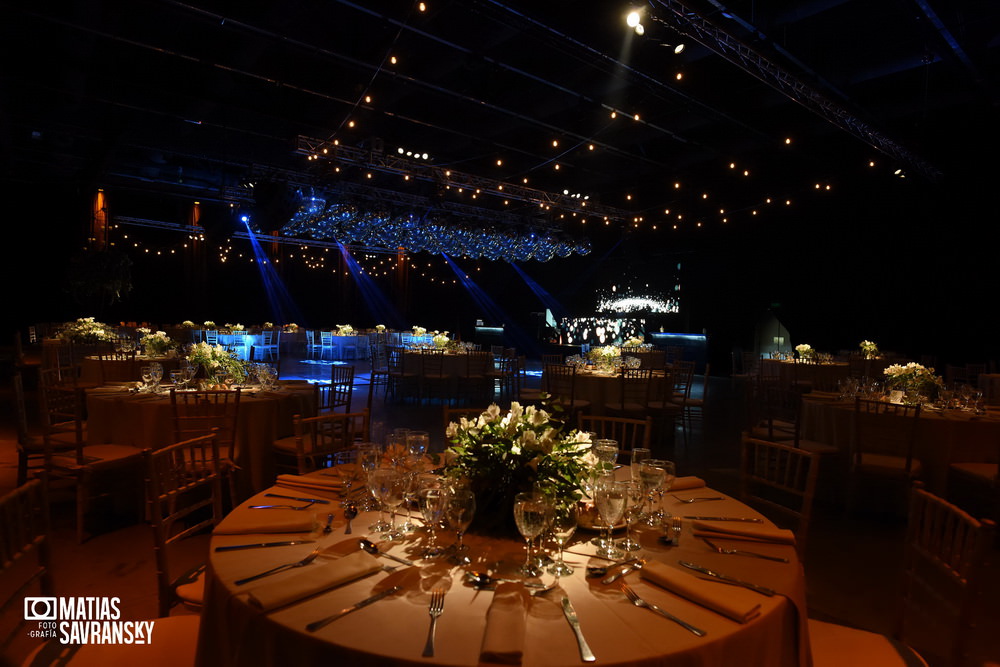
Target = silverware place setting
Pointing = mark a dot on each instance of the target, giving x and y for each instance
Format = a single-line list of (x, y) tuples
[(634, 598), (435, 610), (725, 578), (281, 568), (740, 552), (697, 499), (316, 625), (280, 507), (301, 500)]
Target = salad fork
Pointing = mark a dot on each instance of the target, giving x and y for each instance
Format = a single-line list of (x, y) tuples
[(634, 598), (741, 552), (287, 566), (435, 610)]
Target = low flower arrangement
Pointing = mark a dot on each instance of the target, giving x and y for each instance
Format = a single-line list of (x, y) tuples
[(502, 454), (209, 324), (291, 327), (268, 325), (869, 350), (806, 352), (634, 341), (155, 343), (188, 324), (918, 382), (87, 330), (419, 331), (440, 339), (380, 328), (218, 363), (344, 330)]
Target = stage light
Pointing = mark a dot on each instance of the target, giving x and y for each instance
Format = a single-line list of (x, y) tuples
[(633, 19)]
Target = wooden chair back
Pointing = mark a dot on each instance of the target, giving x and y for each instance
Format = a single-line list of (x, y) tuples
[(629, 433), (883, 435), (202, 412), (184, 498), (318, 438), (339, 392), (782, 479)]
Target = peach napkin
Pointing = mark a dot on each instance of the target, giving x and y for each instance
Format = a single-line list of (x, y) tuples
[(689, 482), (244, 521), (739, 530), (312, 482), (739, 604), (314, 578), (503, 641)]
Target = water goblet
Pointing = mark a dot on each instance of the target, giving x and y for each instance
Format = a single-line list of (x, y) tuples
[(387, 487), (156, 374), (432, 504), (610, 501), (531, 512), (147, 376), (175, 377), (345, 464), (606, 452), (561, 527), (652, 475), (460, 508), (639, 454), (634, 496), (417, 443)]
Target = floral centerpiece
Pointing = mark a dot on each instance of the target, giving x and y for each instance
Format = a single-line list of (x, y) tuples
[(188, 324), (502, 454), (291, 327), (869, 350), (917, 382), (218, 362), (605, 357), (634, 341), (344, 330), (419, 331), (209, 324), (380, 328), (806, 352), (236, 327), (268, 325), (86, 330), (440, 339), (155, 344)]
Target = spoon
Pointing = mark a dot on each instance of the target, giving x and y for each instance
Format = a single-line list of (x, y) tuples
[(483, 580), (350, 511), (329, 527), (372, 548)]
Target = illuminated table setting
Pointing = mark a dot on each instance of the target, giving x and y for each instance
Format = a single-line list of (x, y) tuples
[(240, 626), (117, 415)]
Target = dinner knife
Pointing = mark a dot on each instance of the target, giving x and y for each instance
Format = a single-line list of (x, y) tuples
[(763, 590), (237, 547), (725, 518), (316, 625), (586, 655), (304, 500)]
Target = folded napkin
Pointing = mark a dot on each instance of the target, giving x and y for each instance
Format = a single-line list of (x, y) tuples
[(312, 482), (739, 604), (739, 530), (690, 482), (314, 578), (244, 521), (503, 641)]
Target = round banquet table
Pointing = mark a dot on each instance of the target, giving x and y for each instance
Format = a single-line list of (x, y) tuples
[(602, 388), (393, 631), (821, 376), (942, 436), (147, 421), (91, 371)]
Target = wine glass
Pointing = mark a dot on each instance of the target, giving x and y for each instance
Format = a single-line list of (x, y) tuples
[(531, 512), (432, 504), (175, 377), (652, 477), (610, 501), (156, 374), (639, 454), (189, 370), (460, 507), (417, 443), (633, 512), (147, 376), (606, 452), (664, 473), (346, 466), (561, 527), (387, 487)]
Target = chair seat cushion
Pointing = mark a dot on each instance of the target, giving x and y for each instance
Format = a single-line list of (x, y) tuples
[(888, 464), (286, 444), (983, 472), (835, 645), (97, 455)]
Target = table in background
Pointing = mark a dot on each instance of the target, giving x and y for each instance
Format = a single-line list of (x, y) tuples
[(141, 420), (392, 632), (91, 371), (942, 436)]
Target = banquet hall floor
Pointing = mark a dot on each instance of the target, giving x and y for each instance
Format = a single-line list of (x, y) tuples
[(853, 563)]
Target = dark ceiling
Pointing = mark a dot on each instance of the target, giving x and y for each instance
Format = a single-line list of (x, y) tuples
[(197, 99)]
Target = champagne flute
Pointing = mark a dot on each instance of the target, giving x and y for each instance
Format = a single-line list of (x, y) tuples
[(460, 507), (652, 476), (432, 504), (531, 515), (633, 512), (610, 500), (562, 527)]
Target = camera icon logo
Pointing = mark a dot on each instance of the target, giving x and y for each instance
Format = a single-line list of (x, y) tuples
[(40, 609)]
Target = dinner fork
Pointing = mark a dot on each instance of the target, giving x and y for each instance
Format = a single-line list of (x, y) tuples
[(280, 507), (639, 602), (281, 568), (741, 552), (435, 610)]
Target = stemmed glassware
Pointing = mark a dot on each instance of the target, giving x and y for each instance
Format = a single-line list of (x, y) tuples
[(188, 371), (610, 501), (432, 505), (531, 513), (633, 512), (175, 377), (156, 374), (460, 507), (348, 471), (387, 486), (561, 528), (369, 457), (146, 372), (657, 476), (606, 452)]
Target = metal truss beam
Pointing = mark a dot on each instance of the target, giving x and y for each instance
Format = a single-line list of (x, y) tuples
[(691, 24)]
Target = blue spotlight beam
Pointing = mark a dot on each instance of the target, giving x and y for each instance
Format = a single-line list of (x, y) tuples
[(549, 301), (493, 311), (282, 306), (379, 306)]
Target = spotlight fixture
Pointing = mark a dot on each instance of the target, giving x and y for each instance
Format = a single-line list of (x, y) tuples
[(633, 19), (678, 48)]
